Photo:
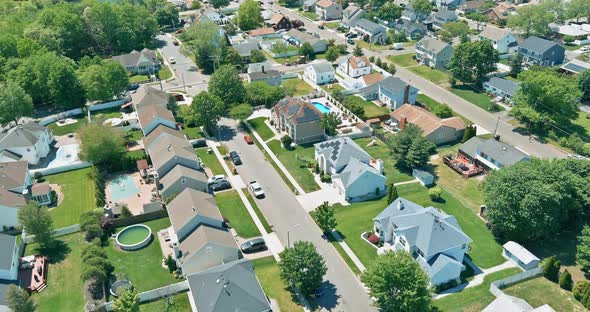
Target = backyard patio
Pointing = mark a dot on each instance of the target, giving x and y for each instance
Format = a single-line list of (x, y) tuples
[(130, 190)]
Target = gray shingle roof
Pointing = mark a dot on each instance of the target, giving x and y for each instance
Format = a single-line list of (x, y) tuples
[(537, 44), (146, 96), (182, 177), (170, 147), (228, 287), (393, 84), (12, 175), (432, 44), (322, 67), (494, 33), (445, 14), (7, 244), (190, 204), (507, 303), (301, 36), (502, 84), (354, 170), (341, 151), (370, 27), (23, 135), (137, 58), (264, 75), (421, 174), (438, 264), (246, 48), (576, 66), (504, 154)]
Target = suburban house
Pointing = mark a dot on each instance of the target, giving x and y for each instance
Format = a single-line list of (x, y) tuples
[(412, 15), (181, 178), (541, 52), (299, 119), (433, 52), (140, 63), (279, 21), (500, 12), (154, 115), (355, 174), (266, 32), (450, 4), (507, 303), (473, 6), (393, 92), (412, 30), (271, 77), (575, 66), (298, 38), (160, 131), (350, 15), (320, 72), (25, 142), (169, 151), (8, 258), (228, 287), (191, 209), (309, 5), (438, 19), (148, 96), (438, 131), (245, 49), (491, 154), (355, 66), (516, 253), (433, 238), (502, 88), (370, 32), (328, 10), (501, 39)]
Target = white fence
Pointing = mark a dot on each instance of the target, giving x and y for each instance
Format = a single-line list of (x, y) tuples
[(155, 294), (60, 169), (96, 107), (55, 233), (53, 118), (496, 286)]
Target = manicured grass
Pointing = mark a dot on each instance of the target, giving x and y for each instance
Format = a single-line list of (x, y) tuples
[(474, 298), (295, 160), (210, 160), (267, 271), (428, 73), (179, 303), (312, 16), (232, 208), (105, 114), (301, 87), (484, 250), (136, 155), (164, 73), (381, 151), (403, 60), (480, 99), (261, 128), (332, 25), (138, 78), (539, 291), (333, 87), (143, 267), (504, 61), (193, 132), (259, 213), (65, 289), (134, 135), (79, 196), (371, 110), (71, 128), (371, 47)]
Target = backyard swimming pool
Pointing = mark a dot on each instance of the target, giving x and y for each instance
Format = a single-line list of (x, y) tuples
[(134, 237), (321, 107), (122, 187)]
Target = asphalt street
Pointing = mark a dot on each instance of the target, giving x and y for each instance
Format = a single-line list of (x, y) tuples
[(185, 70), (285, 214)]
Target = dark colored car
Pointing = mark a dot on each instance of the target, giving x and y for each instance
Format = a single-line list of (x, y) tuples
[(199, 143), (253, 245), (235, 158), (220, 185), (133, 86)]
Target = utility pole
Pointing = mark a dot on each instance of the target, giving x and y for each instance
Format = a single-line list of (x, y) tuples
[(496, 129), (183, 83)]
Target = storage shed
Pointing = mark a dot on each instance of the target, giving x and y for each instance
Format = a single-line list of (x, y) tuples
[(425, 178), (520, 256)]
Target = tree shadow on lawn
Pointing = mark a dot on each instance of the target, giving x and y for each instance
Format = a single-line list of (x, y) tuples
[(563, 247), (56, 251)]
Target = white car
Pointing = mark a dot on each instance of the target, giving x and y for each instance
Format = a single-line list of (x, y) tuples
[(172, 60), (216, 178), (584, 49), (256, 189)]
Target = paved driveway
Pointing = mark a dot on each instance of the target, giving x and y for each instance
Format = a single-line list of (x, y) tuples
[(284, 213)]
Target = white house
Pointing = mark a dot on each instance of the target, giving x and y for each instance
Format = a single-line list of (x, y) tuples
[(328, 10), (507, 303), (355, 66), (29, 142), (8, 257), (393, 92), (502, 39), (434, 238), (355, 174), (320, 72)]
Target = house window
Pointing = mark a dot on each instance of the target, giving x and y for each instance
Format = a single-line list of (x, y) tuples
[(402, 241)]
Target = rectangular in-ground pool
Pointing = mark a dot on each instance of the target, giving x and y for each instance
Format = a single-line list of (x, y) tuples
[(321, 107), (122, 187)]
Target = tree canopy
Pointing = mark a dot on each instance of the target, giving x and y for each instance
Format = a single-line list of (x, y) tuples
[(241, 111), (261, 93), (101, 144), (472, 61), (301, 266), (329, 122), (584, 84), (206, 110), (208, 45), (128, 301), (14, 103), (535, 19), (104, 81), (423, 6), (249, 16), (226, 84), (18, 299), (36, 221), (454, 30), (409, 148)]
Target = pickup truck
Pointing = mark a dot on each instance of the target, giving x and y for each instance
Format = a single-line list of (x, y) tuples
[(256, 189)]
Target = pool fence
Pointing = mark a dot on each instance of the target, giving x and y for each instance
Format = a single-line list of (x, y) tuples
[(62, 168), (53, 118), (107, 105), (55, 233)]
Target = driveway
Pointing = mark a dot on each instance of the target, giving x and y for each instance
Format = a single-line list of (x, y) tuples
[(284, 213)]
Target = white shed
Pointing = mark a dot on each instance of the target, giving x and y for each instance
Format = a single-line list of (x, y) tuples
[(514, 252)]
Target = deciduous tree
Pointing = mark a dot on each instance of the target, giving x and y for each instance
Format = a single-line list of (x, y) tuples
[(422, 6), (515, 65), (18, 299), (219, 3), (454, 30), (101, 145), (256, 56), (249, 16), (208, 45), (472, 61), (240, 112), (36, 221), (324, 216), (206, 110), (307, 52), (409, 148), (226, 84), (260, 93), (14, 103), (532, 20), (167, 15), (329, 122), (302, 267), (584, 84), (332, 54), (128, 301), (105, 81), (583, 249)]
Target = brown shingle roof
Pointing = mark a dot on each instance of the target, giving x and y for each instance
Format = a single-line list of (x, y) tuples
[(12, 175), (160, 129), (424, 119), (277, 18), (202, 236), (356, 60), (262, 31), (325, 3), (190, 203), (297, 110), (170, 147), (372, 78), (40, 189)]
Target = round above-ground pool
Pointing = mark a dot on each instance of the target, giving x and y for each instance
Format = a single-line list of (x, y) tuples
[(134, 237), (120, 286)]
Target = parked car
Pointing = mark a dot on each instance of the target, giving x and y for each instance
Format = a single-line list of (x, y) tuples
[(175, 42), (350, 41), (252, 245), (180, 31), (248, 139), (133, 86), (220, 185), (199, 143), (585, 48), (256, 189), (216, 178), (172, 60), (235, 158)]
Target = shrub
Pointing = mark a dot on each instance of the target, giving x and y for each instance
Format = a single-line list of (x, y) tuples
[(435, 193), (286, 140), (171, 264), (53, 196), (316, 168), (568, 39), (125, 212), (326, 178), (580, 288), (38, 175), (565, 280), (551, 268), (371, 58)]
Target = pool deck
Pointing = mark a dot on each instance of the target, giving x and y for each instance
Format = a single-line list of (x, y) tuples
[(134, 202)]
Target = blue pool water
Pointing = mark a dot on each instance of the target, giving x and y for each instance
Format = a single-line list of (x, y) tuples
[(322, 108), (122, 187)]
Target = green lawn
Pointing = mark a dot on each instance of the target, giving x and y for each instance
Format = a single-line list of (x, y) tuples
[(381, 151), (210, 160), (371, 47), (138, 78), (505, 61), (232, 208), (485, 251), (295, 160), (261, 128), (104, 114), (301, 87), (480, 99), (474, 298), (143, 267), (312, 16), (539, 291), (267, 272), (403, 60), (333, 87), (332, 25), (179, 303), (164, 73), (431, 74), (134, 135), (79, 196), (193, 132), (371, 110), (71, 128), (65, 290), (259, 213)]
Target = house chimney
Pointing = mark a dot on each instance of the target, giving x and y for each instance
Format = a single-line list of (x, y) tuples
[(263, 69), (377, 164), (400, 205), (177, 252), (402, 122), (169, 147)]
